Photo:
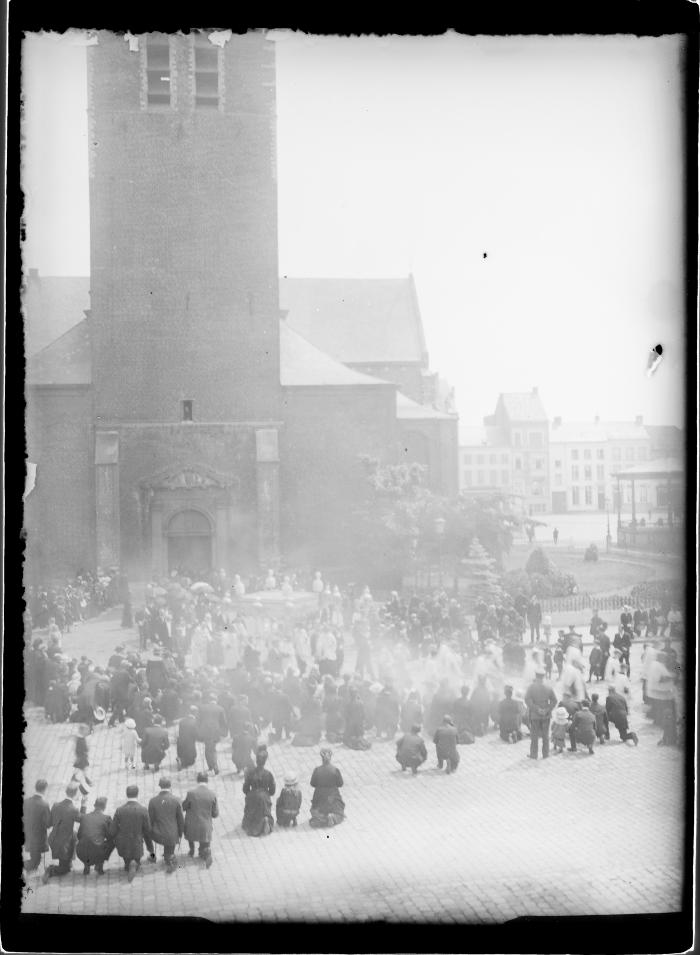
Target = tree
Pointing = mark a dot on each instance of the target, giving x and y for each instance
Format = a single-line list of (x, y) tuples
[(482, 577)]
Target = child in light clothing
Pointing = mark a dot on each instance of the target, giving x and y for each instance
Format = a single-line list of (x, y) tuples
[(288, 802), (560, 729), (130, 739)]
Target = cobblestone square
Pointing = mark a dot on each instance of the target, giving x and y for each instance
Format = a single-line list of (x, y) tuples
[(503, 837)]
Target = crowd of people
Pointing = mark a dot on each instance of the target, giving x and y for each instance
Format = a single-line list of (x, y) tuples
[(209, 669)]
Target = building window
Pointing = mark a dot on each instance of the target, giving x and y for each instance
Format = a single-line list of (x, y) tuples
[(617, 454), (518, 464), (535, 439), (557, 464), (493, 459), (574, 455), (504, 477), (493, 477), (516, 439), (629, 454), (574, 472), (558, 479), (643, 494), (187, 410), (479, 477), (587, 454), (588, 494), (575, 496), (536, 489), (479, 459), (587, 473), (158, 72), (600, 472), (539, 464), (467, 477), (504, 459), (600, 454), (206, 72), (467, 459)]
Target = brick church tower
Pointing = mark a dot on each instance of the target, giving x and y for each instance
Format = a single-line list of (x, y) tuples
[(184, 314)]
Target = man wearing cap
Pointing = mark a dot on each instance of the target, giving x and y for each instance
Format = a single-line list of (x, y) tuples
[(201, 808), (95, 843), (64, 816), (37, 818), (130, 829), (445, 740), (540, 700), (167, 822)]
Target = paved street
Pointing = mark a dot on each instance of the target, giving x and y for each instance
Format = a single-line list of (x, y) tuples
[(503, 837)]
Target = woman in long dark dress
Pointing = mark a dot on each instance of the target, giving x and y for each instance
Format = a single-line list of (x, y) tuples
[(327, 806), (187, 739), (258, 788)]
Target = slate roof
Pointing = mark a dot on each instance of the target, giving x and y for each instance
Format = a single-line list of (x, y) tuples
[(522, 406), (302, 364), (53, 304), (407, 408), (575, 432), (355, 320), (66, 361)]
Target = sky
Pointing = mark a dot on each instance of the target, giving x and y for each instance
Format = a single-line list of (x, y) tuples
[(533, 186)]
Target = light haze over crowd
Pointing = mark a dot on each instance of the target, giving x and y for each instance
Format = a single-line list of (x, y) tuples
[(559, 158)]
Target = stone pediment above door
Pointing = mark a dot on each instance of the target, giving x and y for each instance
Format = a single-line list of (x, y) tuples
[(189, 476)]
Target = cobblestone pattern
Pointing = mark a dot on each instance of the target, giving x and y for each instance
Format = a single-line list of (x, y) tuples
[(503, 837)]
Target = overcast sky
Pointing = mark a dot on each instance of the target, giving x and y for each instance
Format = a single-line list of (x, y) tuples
[(558, 158)]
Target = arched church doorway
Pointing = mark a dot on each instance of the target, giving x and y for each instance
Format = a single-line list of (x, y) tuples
[(189, 535)]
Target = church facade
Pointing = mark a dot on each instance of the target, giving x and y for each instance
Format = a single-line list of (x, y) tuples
[(182, 421)]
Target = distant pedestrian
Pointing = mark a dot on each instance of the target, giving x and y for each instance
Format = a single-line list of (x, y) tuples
[(410, 750), (155, 744), (327, 805), (187, 739), (81, 748), (540, 700), (534, 618), (258, 789), (130, 829), (560, 729), (130, 739), (64, 816), (555, 535), (167, 822), (95, 843), (201, 807), (37, 819), (445, 740), (584, 726), (618, 714), (509, 717), (602, 726)]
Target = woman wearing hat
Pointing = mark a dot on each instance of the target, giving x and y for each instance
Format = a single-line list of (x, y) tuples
[(327, 806), (288, 802), (187, 739), (258, 789)]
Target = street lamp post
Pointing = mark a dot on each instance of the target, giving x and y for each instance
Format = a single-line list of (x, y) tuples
[(607, 536), (440, 531)]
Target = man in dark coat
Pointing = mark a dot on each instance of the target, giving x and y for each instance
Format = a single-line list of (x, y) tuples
[(64, 816), (239, 716), (410, 750), (187, 735), (534, 618), (540, 700), (212, 726), (119, 688), (130, 829), (618, 714), (95, 843), (509, 717), (201, 808), (155, 744), (281, 713), (167, 822), (445, 740), (37, 818)]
